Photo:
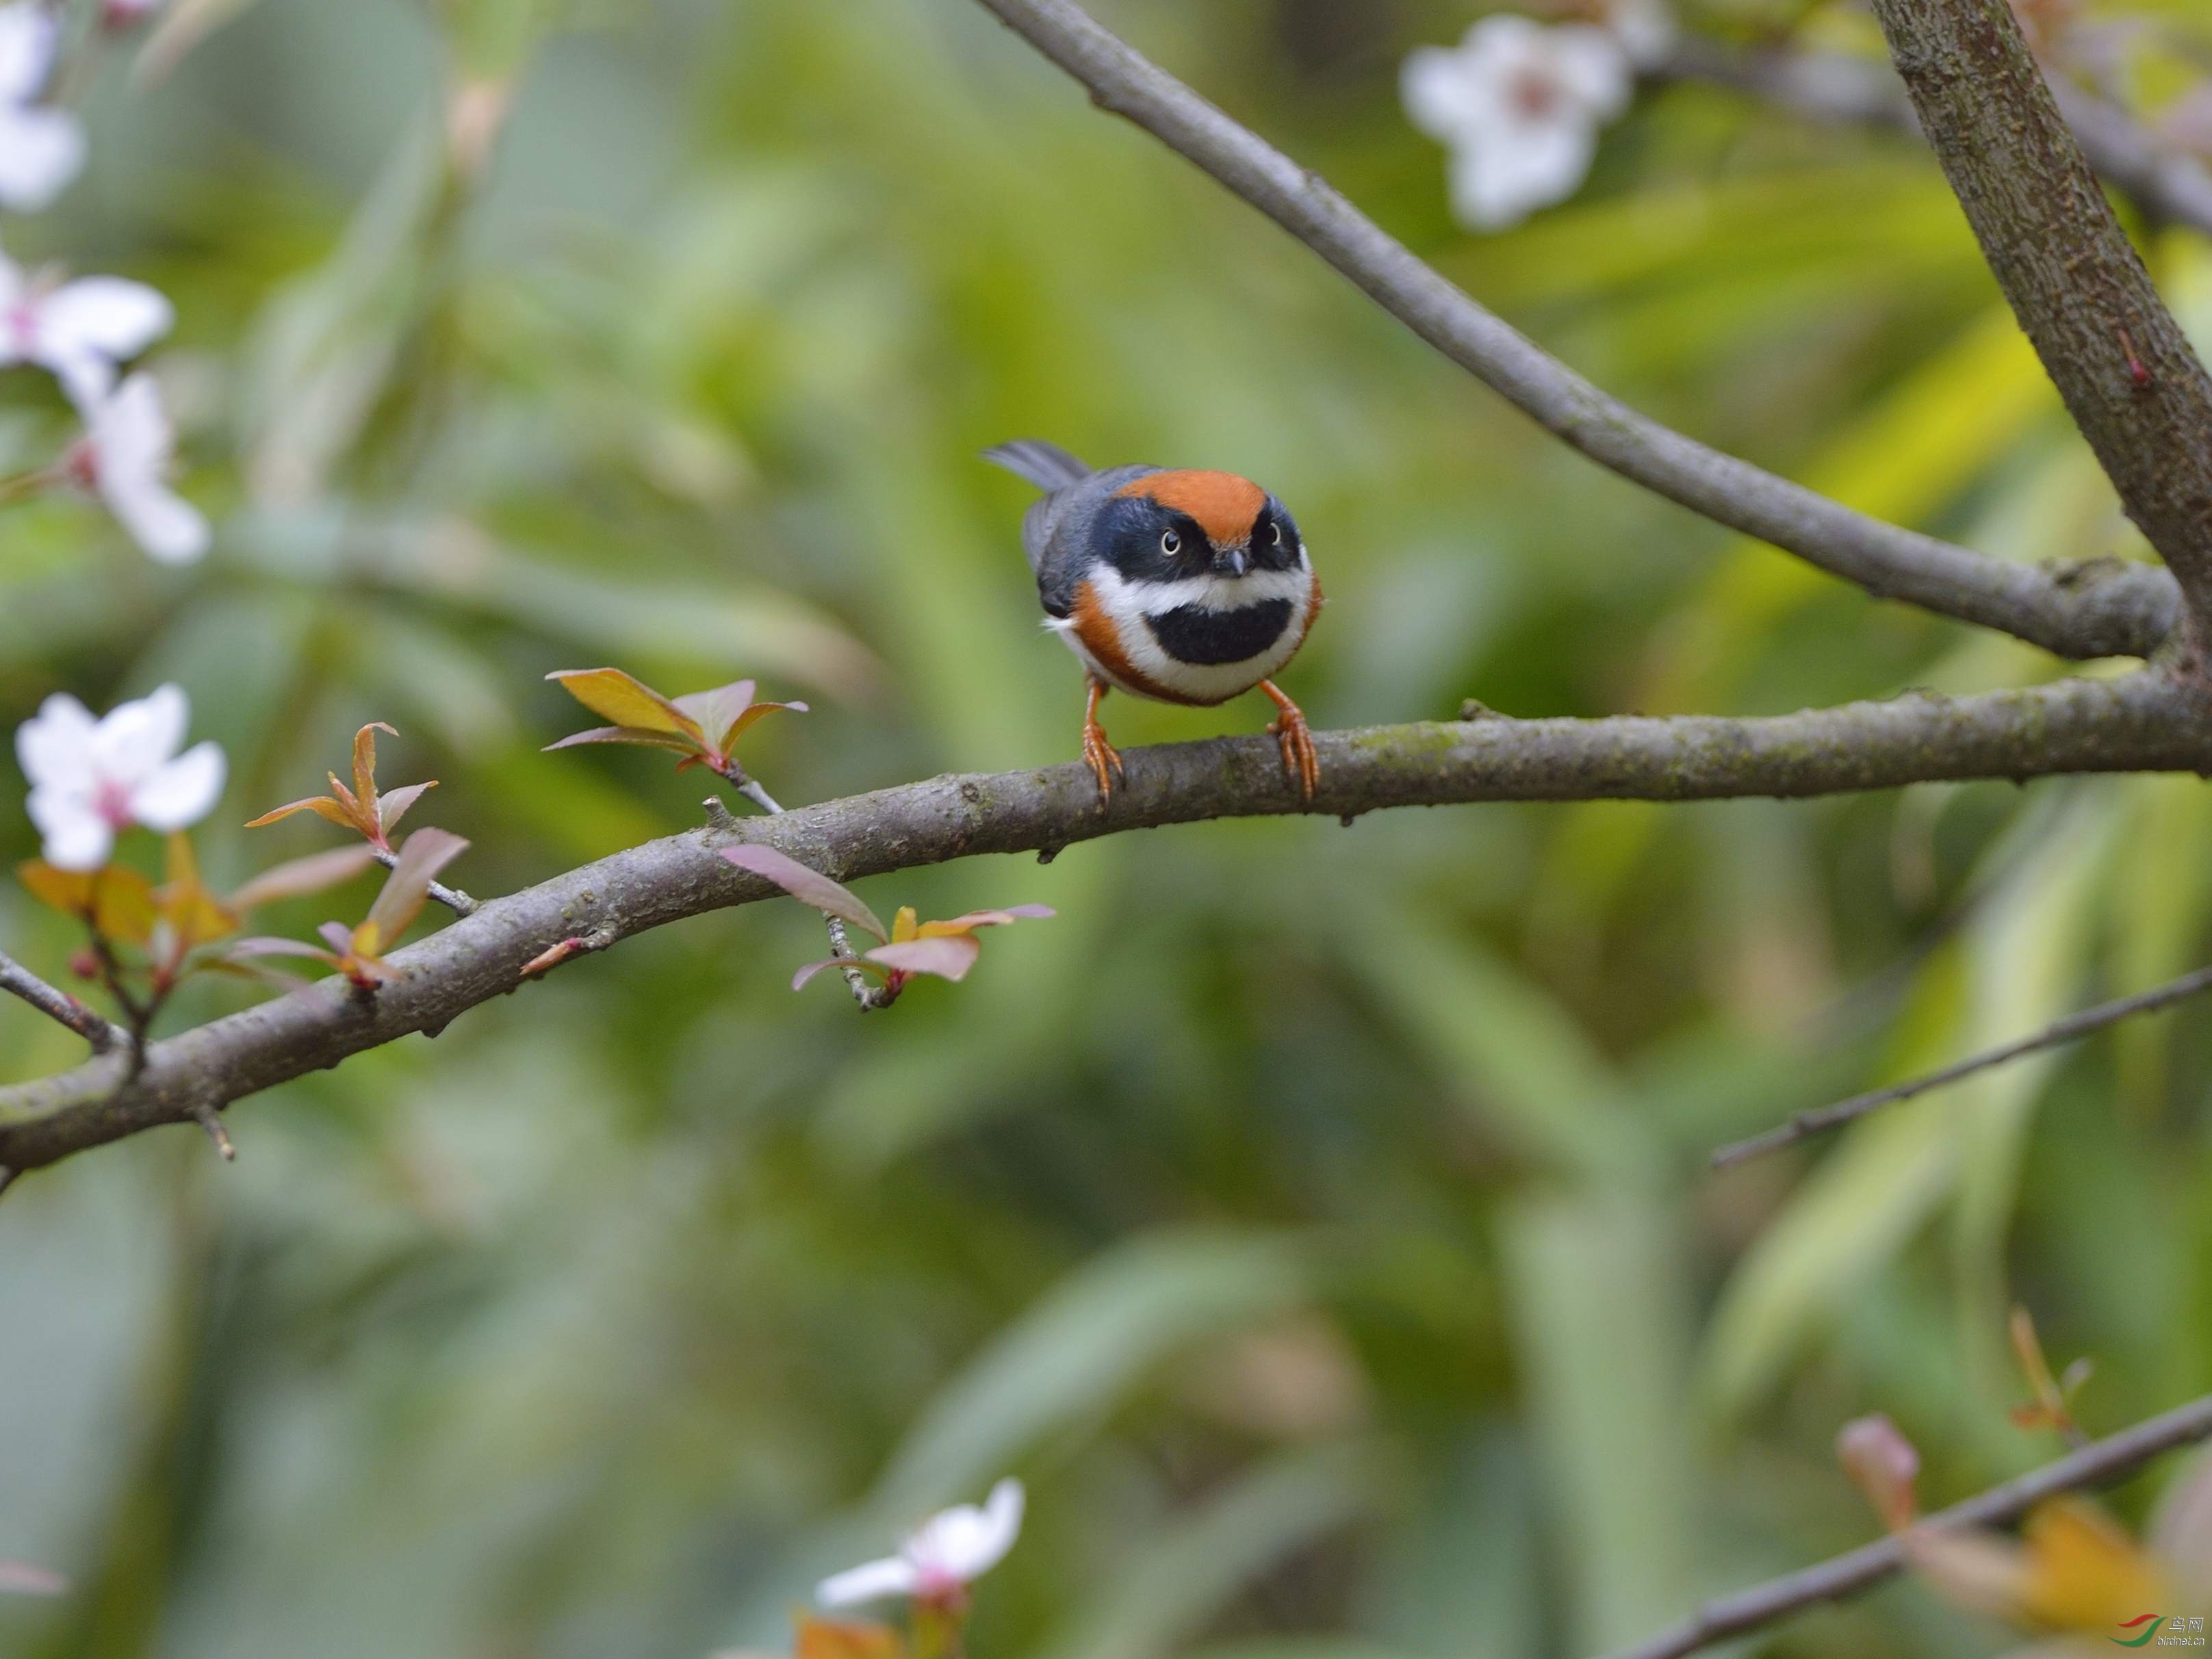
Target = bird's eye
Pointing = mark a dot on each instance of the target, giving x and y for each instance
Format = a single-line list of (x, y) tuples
[(1171, 544), (1275, 534)]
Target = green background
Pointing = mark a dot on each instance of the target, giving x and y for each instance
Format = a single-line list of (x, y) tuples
[(1316, 1218)]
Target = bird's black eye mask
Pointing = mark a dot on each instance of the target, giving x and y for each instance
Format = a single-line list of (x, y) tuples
[(1149, 543), (1274, 539)]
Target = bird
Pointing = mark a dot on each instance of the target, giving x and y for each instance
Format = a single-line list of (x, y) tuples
[(1179, 585)]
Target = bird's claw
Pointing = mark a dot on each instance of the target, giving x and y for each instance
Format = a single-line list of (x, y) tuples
[(1105, 760), (1301, 760)]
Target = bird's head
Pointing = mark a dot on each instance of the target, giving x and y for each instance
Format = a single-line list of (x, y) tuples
[(1172, 526)]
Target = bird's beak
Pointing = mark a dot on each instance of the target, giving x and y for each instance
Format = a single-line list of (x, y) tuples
[(1237, 561)]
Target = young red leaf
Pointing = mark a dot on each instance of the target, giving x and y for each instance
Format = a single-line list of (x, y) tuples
[(364, 760), (948, 955), (1883, 1464), (718, 710), (752, 716), (123, 904), (810, 886), (298, 877), (22, 1579), (626, 701), (636, 734), (976, 919), (800, 979), (246, 950), (69, 891), (423, 855), (390, 808), (322, 806)]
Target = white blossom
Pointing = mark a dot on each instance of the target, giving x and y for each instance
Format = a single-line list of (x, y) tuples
[(124, 458), (1518, 104), (40, 148), (77, 331), (945, 1554), (92, 778)]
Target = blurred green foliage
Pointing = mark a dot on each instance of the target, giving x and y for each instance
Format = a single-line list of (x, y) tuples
[(1315, 1218)]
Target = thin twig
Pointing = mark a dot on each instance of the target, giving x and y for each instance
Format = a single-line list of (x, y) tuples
[(2115, 610), (2097, 1464), (57, 1004), (2068, 1029), (451, 897), (2166, 182)]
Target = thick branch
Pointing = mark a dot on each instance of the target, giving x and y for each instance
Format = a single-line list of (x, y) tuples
[(2104, 611), (56, 1004), (2119, 360), (2167, 183), (2145, 721), (2106, 1461)]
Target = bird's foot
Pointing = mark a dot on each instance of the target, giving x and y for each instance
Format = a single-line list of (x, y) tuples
[(1105, 760), (1301, 760)]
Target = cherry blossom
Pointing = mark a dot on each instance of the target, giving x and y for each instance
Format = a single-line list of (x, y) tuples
[(79, 331), (91, 778), (40, 148), (1518, 104), (942, 1557), (125, 458)]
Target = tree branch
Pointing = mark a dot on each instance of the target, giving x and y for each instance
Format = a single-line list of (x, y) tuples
[(2144, 720), (2167, 183), (2103, 1461), (2118, 359), (2107, 610), (1802, 1125), (56, 1004)]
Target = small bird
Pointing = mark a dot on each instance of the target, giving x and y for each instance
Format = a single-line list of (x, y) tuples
[(1183, 586)]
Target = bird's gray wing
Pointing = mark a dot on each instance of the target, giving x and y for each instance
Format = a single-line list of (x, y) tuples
[(1056, 529)]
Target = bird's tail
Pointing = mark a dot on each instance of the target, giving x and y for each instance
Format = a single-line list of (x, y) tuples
[(1046, 466)]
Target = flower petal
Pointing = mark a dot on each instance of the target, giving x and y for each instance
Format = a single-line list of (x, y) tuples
[(978, 1545), (181, 793), (872, 1582), (55, 745), (167, 528), (1509, 176), (138, 737), (74, 836), (41, 151), (28, 33), (947, 958), (112, 315), (1440, 97)]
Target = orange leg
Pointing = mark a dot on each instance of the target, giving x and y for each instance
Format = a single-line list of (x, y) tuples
[(1300, 759), (1105, 760)]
